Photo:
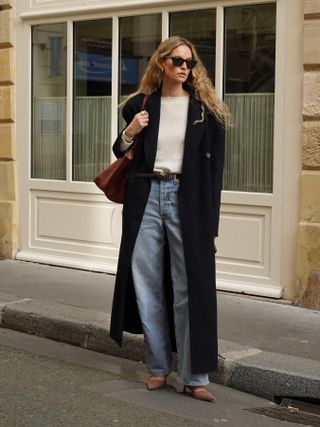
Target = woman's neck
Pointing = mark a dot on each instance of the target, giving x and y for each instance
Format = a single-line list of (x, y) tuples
[(171, 90)]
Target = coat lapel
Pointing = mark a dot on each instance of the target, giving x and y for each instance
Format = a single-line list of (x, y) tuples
[(194, 131)]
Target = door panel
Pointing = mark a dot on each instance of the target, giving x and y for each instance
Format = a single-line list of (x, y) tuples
[(245, 240), (75, 223)]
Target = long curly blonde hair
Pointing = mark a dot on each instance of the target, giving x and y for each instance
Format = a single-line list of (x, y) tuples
[(198, 80)]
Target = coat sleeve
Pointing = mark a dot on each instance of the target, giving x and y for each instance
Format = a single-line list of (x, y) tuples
[(217, 136), (130, 109)]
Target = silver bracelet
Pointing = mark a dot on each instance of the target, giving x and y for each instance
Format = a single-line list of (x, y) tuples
[(126, 138)]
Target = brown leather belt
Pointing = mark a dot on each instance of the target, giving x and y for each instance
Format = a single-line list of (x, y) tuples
[(161, 176)]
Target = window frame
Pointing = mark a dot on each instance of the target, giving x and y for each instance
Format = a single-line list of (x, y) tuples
[(219, 5)]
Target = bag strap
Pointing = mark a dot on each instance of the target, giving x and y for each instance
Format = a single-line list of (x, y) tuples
[(145, 99)]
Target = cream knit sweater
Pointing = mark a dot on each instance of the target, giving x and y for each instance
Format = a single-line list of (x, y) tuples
[(172, 130)]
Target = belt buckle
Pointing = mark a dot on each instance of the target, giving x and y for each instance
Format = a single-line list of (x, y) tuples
[(163, 176), (166, 176)]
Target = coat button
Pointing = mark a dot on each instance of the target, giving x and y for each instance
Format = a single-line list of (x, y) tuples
[(208, 155)]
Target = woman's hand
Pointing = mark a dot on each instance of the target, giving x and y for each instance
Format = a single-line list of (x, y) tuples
[(140, 121)]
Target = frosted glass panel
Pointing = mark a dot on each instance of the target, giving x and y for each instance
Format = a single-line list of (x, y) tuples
[(48, 142), (92, 98), (249, 148), (249, 78)]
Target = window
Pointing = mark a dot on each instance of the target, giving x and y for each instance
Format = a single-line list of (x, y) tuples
[(249, 77), (198, 26), (91, 98), (49, 58), (248, 88), (139, 38)]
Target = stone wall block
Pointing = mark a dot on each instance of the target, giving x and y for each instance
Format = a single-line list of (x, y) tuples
[(7, 181), (311, 41), (7, 4), (7, 106), (7, 71), (7, 141), (311, 94), (310, 197), (308, 257), (311, 145), (8, 209), (8, 229), (310, 298), (6, 28), (311, 6)]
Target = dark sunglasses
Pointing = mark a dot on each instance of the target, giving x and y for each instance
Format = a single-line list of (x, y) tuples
[(177, 61)]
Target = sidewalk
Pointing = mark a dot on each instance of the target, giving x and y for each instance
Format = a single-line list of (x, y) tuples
[(266, 348)]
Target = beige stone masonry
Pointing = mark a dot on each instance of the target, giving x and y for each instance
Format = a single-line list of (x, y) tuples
[(7, 181), (7, 141), (310, 297), (308, 250), (311, 100), (8, 229), (312, 7), (6, 28), (311, 42), (8, 208), (311, 145), (7, 71), (308, 255), (7, 106), (7, 4), (310, 197)]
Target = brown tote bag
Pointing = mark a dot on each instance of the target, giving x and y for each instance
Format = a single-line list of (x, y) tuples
[(112, 180)]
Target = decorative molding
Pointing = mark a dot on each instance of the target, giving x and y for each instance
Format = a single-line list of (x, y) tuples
[(50, 11)]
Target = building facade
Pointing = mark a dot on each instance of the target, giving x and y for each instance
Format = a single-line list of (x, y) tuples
[(76, 61), (8, 165), (308, 255)]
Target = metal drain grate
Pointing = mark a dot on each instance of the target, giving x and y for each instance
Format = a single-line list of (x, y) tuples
[(295, 411), (311, 406)]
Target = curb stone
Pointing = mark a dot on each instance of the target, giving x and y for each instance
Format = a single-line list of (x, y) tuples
[(254, 371)]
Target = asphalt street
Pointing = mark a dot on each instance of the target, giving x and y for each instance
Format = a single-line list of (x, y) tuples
[(45, 383)]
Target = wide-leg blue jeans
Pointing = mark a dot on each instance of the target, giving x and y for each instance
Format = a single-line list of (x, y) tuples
[(162, 215)]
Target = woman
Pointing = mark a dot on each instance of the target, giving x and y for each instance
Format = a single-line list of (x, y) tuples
[(165, 284)]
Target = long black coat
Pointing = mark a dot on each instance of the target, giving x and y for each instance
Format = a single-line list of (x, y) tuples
[(199, 203)]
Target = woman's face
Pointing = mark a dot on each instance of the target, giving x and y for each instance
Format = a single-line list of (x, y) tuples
[(177, 74)]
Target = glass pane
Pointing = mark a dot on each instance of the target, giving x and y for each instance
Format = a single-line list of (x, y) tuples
[(249, 77), (49, 59), (92, 98), (139, 38), (198, 26)]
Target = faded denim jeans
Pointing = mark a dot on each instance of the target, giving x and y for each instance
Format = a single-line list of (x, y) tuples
[(162, 214)]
